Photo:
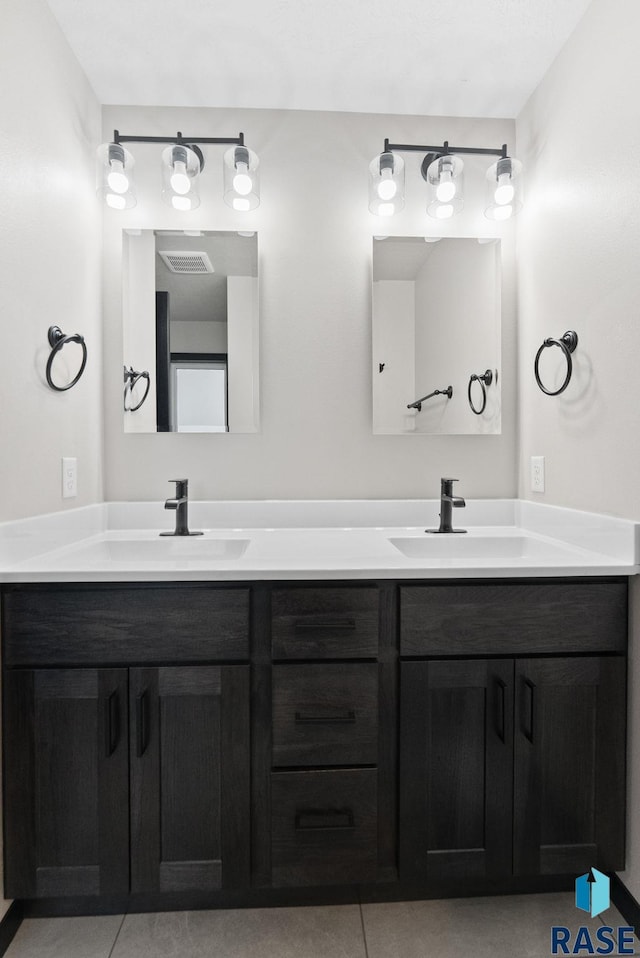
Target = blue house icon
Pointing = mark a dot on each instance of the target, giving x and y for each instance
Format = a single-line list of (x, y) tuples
[(592, 892)]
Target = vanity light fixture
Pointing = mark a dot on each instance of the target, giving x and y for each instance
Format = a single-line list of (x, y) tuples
[(115, 176), (443, 169), (182, 163), (504, 194), (386, 184), (444, 176), (241, 187)]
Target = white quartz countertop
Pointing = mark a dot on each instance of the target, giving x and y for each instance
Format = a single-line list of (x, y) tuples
[(316, 540)]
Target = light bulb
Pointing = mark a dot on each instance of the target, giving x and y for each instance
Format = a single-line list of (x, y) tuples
[(241, 205), (502, 212), (242, 182), (505, 190), (386, 209), (387, 186), (117, 179), (444, 212), (446, 188), (115, 201), (179, 179), (181, 203)]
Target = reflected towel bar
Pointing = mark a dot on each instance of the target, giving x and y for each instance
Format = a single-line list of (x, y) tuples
[(437, 392)]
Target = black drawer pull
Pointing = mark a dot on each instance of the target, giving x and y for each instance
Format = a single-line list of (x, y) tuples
[(501, 690), (307, 625), (142, 723), (529, 714), (322, 819), (347, 718), (112, 724)]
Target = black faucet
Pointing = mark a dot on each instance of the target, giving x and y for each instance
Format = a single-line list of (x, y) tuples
[(181, 505), (448, 502)]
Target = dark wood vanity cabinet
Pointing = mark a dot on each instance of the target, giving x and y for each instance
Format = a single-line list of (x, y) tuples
[(512, 766), (325, 711), (176, 740), (130, 779), (66, 782)]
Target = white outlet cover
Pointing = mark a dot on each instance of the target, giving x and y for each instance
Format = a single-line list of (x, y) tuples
[(69, 477), (537, 473)]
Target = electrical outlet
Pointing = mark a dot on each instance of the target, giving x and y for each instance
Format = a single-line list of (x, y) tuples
[(69, 478), (537, 473)]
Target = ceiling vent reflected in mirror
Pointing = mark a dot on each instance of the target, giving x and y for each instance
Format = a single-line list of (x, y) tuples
[(184, 261)]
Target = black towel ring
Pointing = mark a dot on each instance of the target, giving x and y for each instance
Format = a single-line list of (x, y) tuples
[(57, 340), (567, 344), (130, 379), (485, 380)]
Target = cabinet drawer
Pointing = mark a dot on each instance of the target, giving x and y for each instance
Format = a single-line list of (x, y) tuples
[(324, 827), (71, 626), (513, 618), (324, 623), (325, 714)]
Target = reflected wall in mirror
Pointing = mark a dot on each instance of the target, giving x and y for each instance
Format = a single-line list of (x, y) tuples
[(436, 321), (191, 319)]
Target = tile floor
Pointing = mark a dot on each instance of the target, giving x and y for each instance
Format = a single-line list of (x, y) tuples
[(504, 927)]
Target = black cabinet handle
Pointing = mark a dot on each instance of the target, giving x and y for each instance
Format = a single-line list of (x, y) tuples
[(529, 714), (322, 819), (303, 625), (142, 723), (501, 690), (112, 723), (347, 718)]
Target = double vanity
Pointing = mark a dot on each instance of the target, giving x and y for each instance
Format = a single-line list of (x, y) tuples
[(311, 702)]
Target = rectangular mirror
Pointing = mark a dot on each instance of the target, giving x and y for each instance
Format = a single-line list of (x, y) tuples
[(191, 322), (436, 322)]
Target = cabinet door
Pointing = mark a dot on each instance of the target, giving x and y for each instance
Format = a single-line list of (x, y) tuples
[(189, 743), (569, 765), (456, 757), (66, 788)]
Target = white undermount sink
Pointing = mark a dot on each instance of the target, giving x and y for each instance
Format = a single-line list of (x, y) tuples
[(461, 546), (160, 549)]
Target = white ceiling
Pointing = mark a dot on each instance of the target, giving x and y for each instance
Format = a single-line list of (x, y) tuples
[(425, 57)]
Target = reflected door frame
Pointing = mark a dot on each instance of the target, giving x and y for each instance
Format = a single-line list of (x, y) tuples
[(194, 361)]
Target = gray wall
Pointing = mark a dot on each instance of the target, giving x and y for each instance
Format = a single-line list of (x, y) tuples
[(578, 255), (49, 263), (314, 241)]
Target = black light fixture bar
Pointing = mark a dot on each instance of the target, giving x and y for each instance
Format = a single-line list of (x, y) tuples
[(178, 138), (444, 149)]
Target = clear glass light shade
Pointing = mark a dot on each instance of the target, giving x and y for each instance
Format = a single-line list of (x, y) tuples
[(504, 189), (241, 183), (386, 184), (445, 181), (180, 173), (115, 176)]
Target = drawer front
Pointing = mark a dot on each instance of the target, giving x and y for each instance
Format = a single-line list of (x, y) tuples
[(324, 827), (112, 625), (325, 714), (514, 618), (324, 623)]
